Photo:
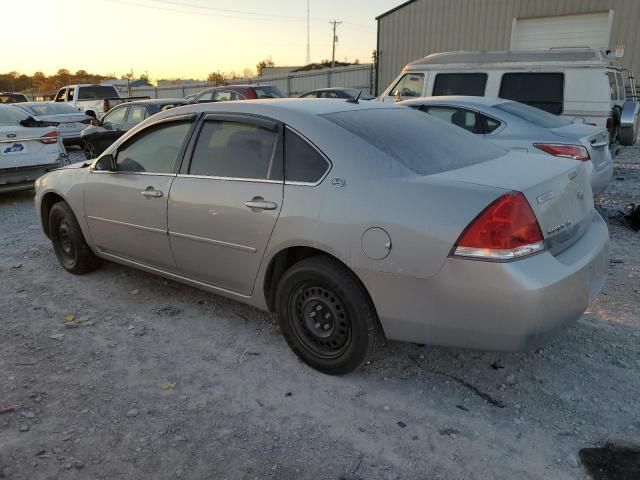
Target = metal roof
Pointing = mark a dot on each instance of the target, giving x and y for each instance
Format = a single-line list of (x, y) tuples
[(575, 55), (395, 9)]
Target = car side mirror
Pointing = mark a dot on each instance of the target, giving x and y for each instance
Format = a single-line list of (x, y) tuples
[(106, 163)]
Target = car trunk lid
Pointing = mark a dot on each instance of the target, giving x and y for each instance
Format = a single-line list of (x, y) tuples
[(557, 189), (22, 147), (594, 139)]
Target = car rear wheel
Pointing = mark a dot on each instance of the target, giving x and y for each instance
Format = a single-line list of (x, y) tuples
[(326, 316), (68, 241), (89, 150)]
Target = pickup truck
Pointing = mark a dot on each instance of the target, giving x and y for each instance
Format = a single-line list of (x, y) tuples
[(94, 100)]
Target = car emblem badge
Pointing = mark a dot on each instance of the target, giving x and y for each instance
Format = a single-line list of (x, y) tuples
[(545, 198), (580, 194), (11, 135), (338, 182)]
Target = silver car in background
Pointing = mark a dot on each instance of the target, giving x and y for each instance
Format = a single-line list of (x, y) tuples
[(69, 121), (516, 126), (352, 221)]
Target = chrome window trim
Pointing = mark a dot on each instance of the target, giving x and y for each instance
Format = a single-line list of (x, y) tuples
[(320, 152), (229, 179), (92, 170)]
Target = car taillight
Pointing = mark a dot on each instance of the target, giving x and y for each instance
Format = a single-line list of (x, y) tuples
[(49, 138), (507, 229), (567, 151), (609, 123)]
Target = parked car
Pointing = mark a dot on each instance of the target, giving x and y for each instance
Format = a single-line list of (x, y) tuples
[(67, 119), (583, 83), (337, 92), (516, 126), (237, 92), (12, 97), (271, 204), (27, 149), (102, 133), (190, 97), (94, 100)]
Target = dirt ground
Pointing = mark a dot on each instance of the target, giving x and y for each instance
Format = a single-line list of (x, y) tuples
[(123, 375)]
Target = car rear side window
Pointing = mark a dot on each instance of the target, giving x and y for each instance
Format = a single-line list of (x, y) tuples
[(460, 84), (154, 150), (234, 150), (461, 117), (303, 163), (97, 92), (541, 90), (137, 113), (421, 143)]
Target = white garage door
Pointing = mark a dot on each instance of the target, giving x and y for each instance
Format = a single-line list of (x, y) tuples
[(586, 30)]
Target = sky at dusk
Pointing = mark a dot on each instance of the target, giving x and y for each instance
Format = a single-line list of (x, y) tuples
[(182, 38)]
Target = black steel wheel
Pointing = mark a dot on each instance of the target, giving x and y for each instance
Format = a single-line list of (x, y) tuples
[(68, 241), (326, 315)]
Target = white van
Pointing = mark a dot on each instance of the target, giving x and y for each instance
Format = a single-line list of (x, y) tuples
[(585, 84)]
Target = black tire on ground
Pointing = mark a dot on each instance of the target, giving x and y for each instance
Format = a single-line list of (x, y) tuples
[(89, 150), (68, 241), (326, 316)]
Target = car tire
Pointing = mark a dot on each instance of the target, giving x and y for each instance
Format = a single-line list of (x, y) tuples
[(326, 316), (89, 150), (68, 241)]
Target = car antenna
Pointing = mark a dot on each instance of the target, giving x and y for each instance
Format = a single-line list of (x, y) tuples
[(356, 98)]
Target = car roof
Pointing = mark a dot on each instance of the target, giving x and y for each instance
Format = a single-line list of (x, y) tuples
[(457, 99)]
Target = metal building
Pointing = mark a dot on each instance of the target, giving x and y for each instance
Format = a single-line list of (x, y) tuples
[(420, 27)]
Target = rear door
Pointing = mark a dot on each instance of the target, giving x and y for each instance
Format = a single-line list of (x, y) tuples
[(224, 205), (126, 210)]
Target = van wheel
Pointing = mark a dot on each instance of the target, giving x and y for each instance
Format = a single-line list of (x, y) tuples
[(68, 241), (326, 316)]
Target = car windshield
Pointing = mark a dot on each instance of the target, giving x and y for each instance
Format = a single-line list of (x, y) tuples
[(268, 92), (420, 142), (11, 117), (98, 92), (532, 114), (50, 109)]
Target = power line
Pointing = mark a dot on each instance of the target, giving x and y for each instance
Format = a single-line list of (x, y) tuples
[(308, 37), (243, 12), (335, 24)]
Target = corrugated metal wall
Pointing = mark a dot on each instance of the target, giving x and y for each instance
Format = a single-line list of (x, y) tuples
[(292, 84), (431, 26)]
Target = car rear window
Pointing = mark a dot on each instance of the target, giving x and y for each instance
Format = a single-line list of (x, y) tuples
[(421, 143), (460, 84), (50, 109), (99, 92), (541, 90), (268, 92), (10, 116), (12, 98), (531, 114)]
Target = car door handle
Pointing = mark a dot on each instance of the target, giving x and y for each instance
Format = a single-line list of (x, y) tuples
[(260, 204), (151, 192)]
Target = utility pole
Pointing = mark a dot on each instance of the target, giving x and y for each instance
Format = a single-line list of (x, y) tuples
[(308, 37), (335, 24)]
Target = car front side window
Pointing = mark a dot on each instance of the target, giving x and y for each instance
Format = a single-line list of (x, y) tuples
[(115, 116), (137, 113), (153, 150)]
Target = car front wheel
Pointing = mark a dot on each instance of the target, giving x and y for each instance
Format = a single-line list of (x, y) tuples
[(68, 241), (89, 150), (326, 316)]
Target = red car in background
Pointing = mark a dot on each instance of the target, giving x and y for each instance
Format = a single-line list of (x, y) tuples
[(237, 92)]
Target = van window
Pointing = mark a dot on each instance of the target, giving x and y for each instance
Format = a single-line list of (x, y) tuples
[(622, 94), (613, 86), (541, 90), (410, 85), (460, 84)]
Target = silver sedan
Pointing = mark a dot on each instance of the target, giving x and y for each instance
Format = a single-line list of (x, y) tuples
[(516, 126), (353, 222), (69, 121)]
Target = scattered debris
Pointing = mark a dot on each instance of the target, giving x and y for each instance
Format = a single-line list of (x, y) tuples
[(401, 424), (288, 394), (133, 413), (463, 408), (10, 409), (135, 292), (167, 385), (449, 431), (57, 336), (167, 311), (497, 365)]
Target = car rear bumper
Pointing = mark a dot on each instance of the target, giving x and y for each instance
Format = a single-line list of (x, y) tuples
[(508, 306), (13, 180)]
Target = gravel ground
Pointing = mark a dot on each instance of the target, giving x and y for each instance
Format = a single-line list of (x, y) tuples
[(123, 375)]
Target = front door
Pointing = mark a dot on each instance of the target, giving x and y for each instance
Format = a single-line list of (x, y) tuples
[(112, 127), (127, 209), (224, 207)]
